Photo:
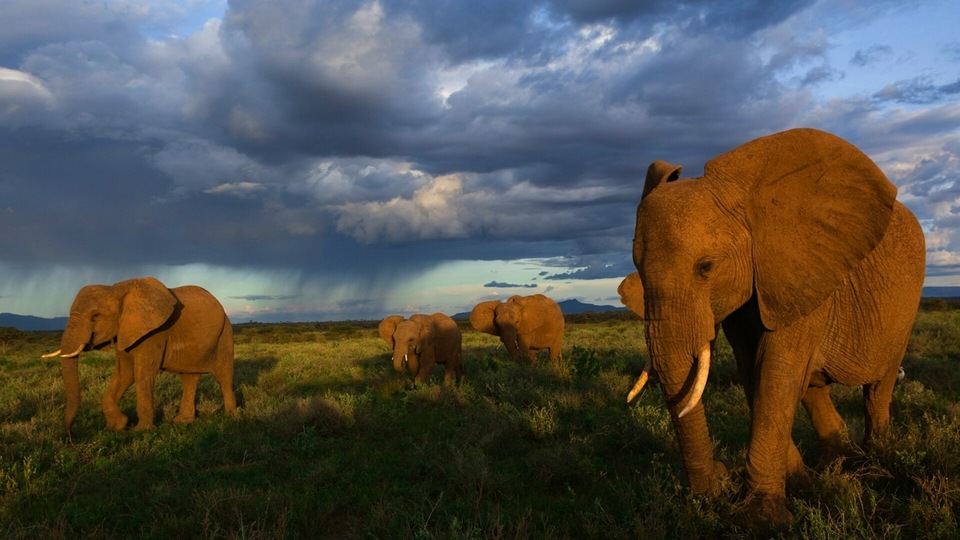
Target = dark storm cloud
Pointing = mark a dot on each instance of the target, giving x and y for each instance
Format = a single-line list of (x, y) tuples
[(503, 285), (371, 140)]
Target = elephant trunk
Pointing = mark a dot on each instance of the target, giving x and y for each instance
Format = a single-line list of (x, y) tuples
[(682, 387), (76, 338), (69, 368), (406, 360), (690, 423), (413, 364), (511, 342)]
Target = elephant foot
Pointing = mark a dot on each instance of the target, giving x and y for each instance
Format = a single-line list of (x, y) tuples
[(764, 513), (184, 418), (832, 450), (712, 484), (117, 422), (720, 477), (800, 479)]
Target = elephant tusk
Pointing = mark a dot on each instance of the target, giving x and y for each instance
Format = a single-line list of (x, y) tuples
[(641, 382), (74, 354), (405, 359), (51, 355), (703, 368)]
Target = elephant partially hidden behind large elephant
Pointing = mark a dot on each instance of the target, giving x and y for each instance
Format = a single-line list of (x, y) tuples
[(423, 341), (524, 324), (796, 246), (181, 330)]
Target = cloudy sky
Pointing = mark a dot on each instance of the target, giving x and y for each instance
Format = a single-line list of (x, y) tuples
[(318, 160)]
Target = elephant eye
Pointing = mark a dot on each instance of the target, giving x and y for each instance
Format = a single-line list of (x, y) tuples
[(704, 267)]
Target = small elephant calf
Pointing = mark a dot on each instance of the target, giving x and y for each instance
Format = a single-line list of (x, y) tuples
[(421, 342)]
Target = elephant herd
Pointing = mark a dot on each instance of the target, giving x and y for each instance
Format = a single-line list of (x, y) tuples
[(525, 325), (185, 330), (793, 244)]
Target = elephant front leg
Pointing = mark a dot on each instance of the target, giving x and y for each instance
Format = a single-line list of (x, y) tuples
[(145, 373), (771, 453), (121, 380), (188, 401), (525, 349)]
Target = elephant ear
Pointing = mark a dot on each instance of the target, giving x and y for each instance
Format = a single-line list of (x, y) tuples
[(145, 306), (815, 206), (631, 293), (387, 327), (481, 317), (659, 172)]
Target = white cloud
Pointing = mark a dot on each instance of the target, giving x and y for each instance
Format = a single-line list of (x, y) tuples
[(237, 189), (21, 95), (435, 211)]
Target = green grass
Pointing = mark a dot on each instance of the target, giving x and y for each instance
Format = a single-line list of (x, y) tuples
[(331, 443)]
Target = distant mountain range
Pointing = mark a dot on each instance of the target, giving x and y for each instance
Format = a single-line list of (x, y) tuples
[(568, 307), (31, 323), (941, 292)]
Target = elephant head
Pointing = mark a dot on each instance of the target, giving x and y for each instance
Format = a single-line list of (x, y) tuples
[(778, 222), (123, 313), (524, 324), (408, 338)]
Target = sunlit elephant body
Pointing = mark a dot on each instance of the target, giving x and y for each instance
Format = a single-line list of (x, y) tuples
[(182, 330), (423, 341), (794, 244), (525, 325)]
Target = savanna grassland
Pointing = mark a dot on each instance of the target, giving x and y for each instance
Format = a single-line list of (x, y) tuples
[(330, 443)]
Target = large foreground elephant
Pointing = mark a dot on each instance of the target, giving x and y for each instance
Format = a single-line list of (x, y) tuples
[(796, 245), (525, 325), (182, 330), (423, 341)]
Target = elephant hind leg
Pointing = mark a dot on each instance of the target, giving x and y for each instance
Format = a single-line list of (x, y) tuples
[(188, 402), (827, 422), (877, 398), (224, 376), (223, 369), (798, 476), (453, 372), (556, 350), (448, 374)]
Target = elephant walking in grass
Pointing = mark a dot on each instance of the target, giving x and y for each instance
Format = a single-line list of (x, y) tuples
[(524, 324), (181, 330), (796, 246), (423, 341)]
